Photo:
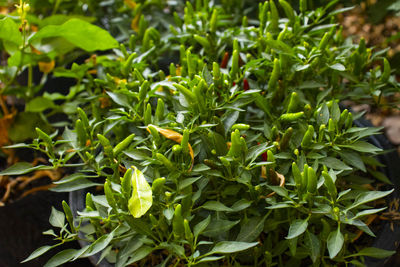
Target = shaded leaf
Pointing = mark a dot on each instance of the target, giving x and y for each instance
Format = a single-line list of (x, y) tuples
[(297, 227), (335, 243)]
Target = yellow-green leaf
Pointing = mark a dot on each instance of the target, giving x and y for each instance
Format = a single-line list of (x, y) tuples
[(142, 197)]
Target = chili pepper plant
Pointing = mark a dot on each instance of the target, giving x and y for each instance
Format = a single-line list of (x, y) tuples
[(239, 154)]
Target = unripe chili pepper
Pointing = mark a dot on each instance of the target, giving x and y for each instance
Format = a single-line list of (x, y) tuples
[(324, 41), (331, 126), (81, 133), (178, 227), (213, 21), (284, 142), (240, 126), (185, 141), (108, 151), (235, 45), (89, 201), (343, 118), (330, 184), (84, 118), (138, 75), (142, 26), (172, 69), (202, 41), (312, 180), (235, 149), (147, 115), (188, 232), (126, 68), (303, 6), (287, 8), (109, 195), (146, 39), (243, 145), (216, 72), (158, 184), (177, 149), (235, 64), (291, 116), (123, 144), (273, 80), (154, 132), (68, 215), (143, 90), (296, 175), (224, 61), (270, 156), (362, 47), (274, 19), (177, 20), (173, 30), (132, 42), (304, 176), (126, 187), (386, 71), (197, 90), (225, 162), (245, 22), (293, 102), (308, 136), (349, 121), (190, 64), (321, 132), (167, 163), (282, 34), (159, 110), (189, 95)]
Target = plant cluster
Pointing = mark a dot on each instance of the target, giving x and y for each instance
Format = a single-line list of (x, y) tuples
[(239, 144)]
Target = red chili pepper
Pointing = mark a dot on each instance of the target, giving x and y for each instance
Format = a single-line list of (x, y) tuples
[(233, 84), (264, 155), (245, 85), (224, 61)]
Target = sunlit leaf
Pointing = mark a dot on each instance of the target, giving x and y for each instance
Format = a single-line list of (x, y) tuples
[(142, 197)]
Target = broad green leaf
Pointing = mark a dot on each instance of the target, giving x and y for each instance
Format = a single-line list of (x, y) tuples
[(323, 115), (367, 212), (251, 230), (39, 104), (61, 257), (313, 244), (256, 151), (353, 159), (224, 247), (9, 31), (22, 168), (241, 205), (140, 254), (297, 227), (142, 197), (373, 252), (201, 226), (217, 227), (80, 33), (369, 196), (334, 163), (57, 218), (37, 253), (362, 146), (74, 185), (338, 67), (188, 181), (210, 258), (97, 246), (335, 243), (216, 206)]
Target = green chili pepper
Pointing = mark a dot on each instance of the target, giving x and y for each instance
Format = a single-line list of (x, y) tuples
[(197, 90), (154, 133), (138, 75), (321, 132), (177, 149), (185, 141), (190, 64), (147, 115), (274, 19), (271, 157), (109, 195), (178, 227), (89, 201), (123, 144), (189, 95), (108, 151), (83, 117), (293, 102), (245, 22), (357, 63), (386, 71), (235, 45), (68, 215), (126, 68), (240, 126), (286, 138), (159, 115), (287, 8), (216, 72), (331, 126), (225, 162), (303, 6), (158, 184), (202, 41), (291, 116), (308, 136), (143, 90), (330, 184), (188, 232), (126, 187), (311, 180), (235, 64), (146, 39), (167, 163), (142, 26), (304, 176), (282, 35), (177, 20), (362, 47), (81, 133), (235, 149), (343, 118), (243, 145), (213, 21), (296, 175), (273, 80), (349, 121), (172, 69)]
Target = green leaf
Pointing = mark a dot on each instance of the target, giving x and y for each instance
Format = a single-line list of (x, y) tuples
[(353, 159), (211, 258), (9, 31), (297, 227), (241, 205), (39, 104), (201, 226), (80, 33), (323, 115), (334, 163), (74, 185), (338, 67), (217, 227), (313, 244), (142, 197), (251, 230), (362, 146), (256, 151), (335, 243), (377, 253), (61, 257), (20, 168), (367, 212), (216, 206), (57, 218), (139, 254), (97, 246), (224, 247), (38, 252), (279, 46), (369, 196)]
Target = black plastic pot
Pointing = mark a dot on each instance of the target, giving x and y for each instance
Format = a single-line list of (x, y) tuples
[(386, 238)]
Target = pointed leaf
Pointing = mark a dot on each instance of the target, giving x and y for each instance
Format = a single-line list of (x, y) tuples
[(38, 252), (297, 227), (142, 197), (377, 253), (57, 218), (224, 247), (335, 243)]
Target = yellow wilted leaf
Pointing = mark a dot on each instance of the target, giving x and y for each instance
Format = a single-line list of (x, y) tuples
[(46, 67), (174, 136), (135, 22), (130, 3)]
